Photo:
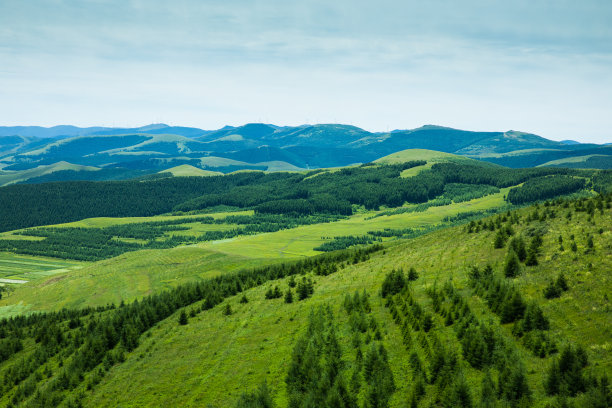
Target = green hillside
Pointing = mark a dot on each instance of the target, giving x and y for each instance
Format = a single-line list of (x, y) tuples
[(127, 153), (591, 161), (444, 334), (17, 176), (185, 170), (255, 343)]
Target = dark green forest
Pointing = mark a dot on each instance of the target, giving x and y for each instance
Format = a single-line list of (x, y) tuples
[(314, 192)]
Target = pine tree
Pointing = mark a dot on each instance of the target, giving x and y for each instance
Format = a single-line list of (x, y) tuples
[(460, 396), (183, 318), (244, 299), (227, 310), (305, 289), (512, 308), (260, 398), (532, 258), (552, 290), (500, 240), (412, 274), (590, 244), (394, 283), (512, 267), (562, 282), (553, 379), (487, 393), (289, 296), (518, 244)]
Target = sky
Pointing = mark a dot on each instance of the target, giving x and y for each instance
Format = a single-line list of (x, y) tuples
[(539, 66)]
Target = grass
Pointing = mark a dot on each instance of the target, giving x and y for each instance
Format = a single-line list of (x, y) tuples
[(126, 277), (101, 222), (302, 240), (137, 274), (11, 177), (575, 161), (215, 358), (32, 268), (185, 170), (431, 156)]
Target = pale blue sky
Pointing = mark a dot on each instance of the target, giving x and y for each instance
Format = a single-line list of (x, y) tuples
[(539, 66)]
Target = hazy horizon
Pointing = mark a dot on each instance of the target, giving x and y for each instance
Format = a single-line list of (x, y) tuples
[(281, 125), (543, 68)]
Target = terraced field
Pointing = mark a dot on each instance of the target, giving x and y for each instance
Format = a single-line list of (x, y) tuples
[(30, 268)]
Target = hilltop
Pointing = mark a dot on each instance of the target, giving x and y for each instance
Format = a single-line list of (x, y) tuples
[(123, 153)]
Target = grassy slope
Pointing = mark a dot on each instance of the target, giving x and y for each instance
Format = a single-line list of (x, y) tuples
[(423, 154), (185, 170), (12, 177), (580, 161), (30, 267), (215, 358), (301, 241), (125, 277), (138, 273), (431, 156)]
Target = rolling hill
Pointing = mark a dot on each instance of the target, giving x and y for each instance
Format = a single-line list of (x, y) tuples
[(131, 152), (435, 320)]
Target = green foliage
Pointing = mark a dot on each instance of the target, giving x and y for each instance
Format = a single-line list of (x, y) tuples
[(458, 192), (343, 242), (227, 310), (565, 375), (183, 318), (289, 296), (315, 374), (82, 349), (92, 244), (394, 282), (554, 289), (512, 266), (412, 274), (305, 288), (378, 376), (518, 245), (503, 298), (260, 398), (276, 193), (273, 293), (52, 203), (545, 187)]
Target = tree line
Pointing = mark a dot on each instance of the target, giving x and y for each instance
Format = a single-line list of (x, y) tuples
[(71, 349)]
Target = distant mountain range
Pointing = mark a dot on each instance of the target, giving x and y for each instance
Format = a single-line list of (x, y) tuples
[(101, 153)]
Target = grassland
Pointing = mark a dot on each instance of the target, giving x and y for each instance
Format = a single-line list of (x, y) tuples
[(588, 161), (302, 240), (136, 274), (101, 222), (185, 170), (214, 358), (32, 268), (123, 278), (11, 177)]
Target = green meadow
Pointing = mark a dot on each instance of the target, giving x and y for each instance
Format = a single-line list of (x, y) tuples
[(140, 273), (215, 358)]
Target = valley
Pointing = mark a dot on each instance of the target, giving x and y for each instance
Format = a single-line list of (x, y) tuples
[(422, 278)]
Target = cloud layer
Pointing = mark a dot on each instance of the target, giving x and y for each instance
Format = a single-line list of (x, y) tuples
[(542, 67)]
